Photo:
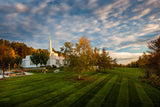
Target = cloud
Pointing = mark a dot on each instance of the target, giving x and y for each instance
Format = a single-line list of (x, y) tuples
[(92, 4), (143, 13), (151, 28), (109, 9), (21, 7), (17, 8), (106, 23), (40, 7), (125, 57)]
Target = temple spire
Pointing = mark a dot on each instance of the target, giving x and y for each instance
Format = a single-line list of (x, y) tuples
[(50, 45)]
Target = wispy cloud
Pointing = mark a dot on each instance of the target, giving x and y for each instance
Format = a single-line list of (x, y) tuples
[(143, 13), (117, 25)]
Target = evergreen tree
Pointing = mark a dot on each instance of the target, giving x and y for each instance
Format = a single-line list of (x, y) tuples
[(104, 60)]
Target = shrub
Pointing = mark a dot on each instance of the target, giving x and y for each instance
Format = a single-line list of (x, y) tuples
[(49, 67), (54, 66), (155, 81)]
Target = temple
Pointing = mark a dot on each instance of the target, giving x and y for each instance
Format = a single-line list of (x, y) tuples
[(54, 59)]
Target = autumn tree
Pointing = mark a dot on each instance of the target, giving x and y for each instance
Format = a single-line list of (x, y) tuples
[(151, 62), (84, 55), (7, 55), (104, 60), (154, 57), (21, 49), (79, 57), (68, 51), (95, 57), (143, 62)]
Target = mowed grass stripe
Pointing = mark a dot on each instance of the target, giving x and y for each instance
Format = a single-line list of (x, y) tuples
[(153, 93), (123, 97), (145, 100), (28, 80), (97, 100), (134, 100), (45, 98), (14, 95), (56, 96), (22, 88), (22, 81), (52, 86), (82, 101), (26, 88), (75, 96), (111, 98)]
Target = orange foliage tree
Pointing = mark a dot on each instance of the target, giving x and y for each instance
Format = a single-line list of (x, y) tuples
[(7, 56)]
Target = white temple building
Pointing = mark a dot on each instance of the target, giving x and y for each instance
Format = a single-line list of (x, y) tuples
[(54, 59)]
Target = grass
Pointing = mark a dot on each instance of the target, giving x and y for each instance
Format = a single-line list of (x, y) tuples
[(117, 88)]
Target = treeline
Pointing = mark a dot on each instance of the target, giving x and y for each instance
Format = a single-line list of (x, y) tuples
[(11, 54), (21, 49), (81, 58), (133, 64), (150, 63)]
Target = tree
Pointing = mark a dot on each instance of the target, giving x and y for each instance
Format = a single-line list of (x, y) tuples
[(144, 63), (7, 55), (40, 56), (83, 52), (35, 57), (114, 62), (78, 59), (154, 57), (104, 60), (21, 49), (68, 51), (95, 57), (44, 56), (150, 63), (18, 59)]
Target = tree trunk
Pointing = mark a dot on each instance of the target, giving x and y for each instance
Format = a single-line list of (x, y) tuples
[(3, 75), (79, 76), (92, 68)]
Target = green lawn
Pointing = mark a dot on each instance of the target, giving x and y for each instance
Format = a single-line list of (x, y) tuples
[(119, 87)]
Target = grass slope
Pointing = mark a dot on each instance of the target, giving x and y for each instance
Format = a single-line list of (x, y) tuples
[(117, 88)]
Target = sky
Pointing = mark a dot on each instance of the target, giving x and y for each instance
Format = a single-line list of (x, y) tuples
[(122, 27)]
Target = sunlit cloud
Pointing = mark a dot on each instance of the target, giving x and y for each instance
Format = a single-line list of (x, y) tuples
[(125, 57)]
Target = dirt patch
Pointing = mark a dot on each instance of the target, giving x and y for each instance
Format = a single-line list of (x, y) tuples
[(82, 79)]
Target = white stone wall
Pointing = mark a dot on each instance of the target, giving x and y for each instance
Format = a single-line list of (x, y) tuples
[(26, 62), (54, 59)]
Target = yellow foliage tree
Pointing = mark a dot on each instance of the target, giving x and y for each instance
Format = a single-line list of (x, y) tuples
[(7, 56)]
